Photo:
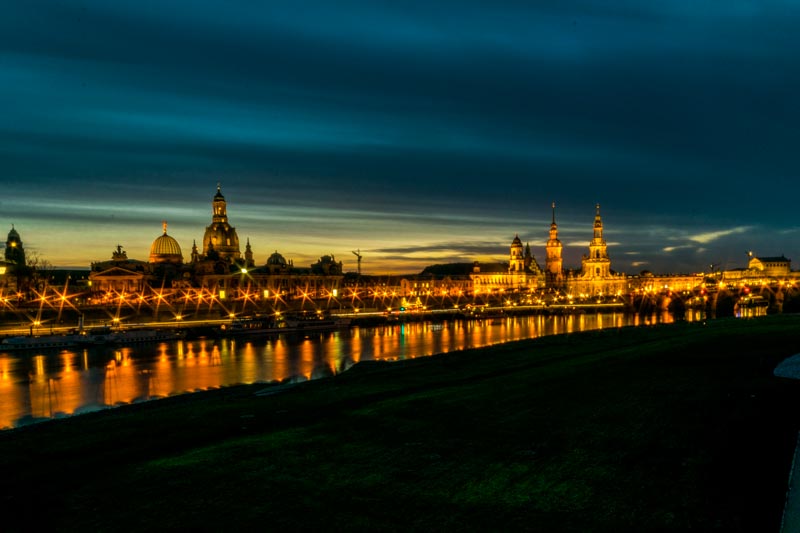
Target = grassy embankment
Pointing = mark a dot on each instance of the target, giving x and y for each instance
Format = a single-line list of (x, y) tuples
[(670, 428)]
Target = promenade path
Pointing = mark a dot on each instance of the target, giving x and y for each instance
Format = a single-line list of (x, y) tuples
[(790, 368)]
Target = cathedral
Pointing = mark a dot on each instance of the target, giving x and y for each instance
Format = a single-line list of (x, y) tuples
[(594, 278)]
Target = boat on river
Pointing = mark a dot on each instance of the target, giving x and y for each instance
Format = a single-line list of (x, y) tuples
[(133, 336), (272, 326), (43, 342), (252, 326), (89, 338), (95, 336), (315, 323)]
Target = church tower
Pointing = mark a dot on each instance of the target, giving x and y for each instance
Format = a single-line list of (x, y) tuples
[(220, 236), (248, 255), (528, 256), (15, 252), (517, 259), (553, 263), (598, 264)]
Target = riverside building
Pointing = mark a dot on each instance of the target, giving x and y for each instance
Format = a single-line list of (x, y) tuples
[(595, 277), (217, 274)]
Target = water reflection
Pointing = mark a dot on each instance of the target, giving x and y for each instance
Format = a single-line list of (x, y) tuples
[(41, 386)]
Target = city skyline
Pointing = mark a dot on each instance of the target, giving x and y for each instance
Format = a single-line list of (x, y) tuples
[(573, 251), (431, 134)]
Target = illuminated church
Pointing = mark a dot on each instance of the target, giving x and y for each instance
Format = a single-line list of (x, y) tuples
[(220, 239), (220, 269), (595, 276)]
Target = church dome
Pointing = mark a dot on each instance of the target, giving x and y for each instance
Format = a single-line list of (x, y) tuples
[(165, 249), (516, 241), (276, 259)]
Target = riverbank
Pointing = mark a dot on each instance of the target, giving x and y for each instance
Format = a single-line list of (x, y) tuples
[(211, 324), (672, 428)]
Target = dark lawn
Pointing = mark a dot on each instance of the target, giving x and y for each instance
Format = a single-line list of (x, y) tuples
[(678, 427)]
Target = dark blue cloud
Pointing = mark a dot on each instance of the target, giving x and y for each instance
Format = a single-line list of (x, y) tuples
[(677, 116)]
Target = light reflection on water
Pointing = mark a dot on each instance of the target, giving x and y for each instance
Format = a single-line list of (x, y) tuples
[(41, 386)]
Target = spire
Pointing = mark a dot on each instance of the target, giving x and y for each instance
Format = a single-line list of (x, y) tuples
[(598, 229), (219, 207), (598, 222), (553, 229), (164, 225), (248, 255), (219, 196)]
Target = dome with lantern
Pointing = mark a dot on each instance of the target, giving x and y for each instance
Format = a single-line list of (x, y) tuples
[(165, 249)]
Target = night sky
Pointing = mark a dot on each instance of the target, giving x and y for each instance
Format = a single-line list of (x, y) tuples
[(418, 132)]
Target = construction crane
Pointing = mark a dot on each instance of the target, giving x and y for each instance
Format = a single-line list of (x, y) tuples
[(358, 254)]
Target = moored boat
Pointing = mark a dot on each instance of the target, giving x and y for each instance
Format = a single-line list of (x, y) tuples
[(252, 326), (43, 342), (131, 336), (314, 323), (98, 338)]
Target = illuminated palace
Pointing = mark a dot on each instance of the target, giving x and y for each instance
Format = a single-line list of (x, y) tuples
[(220, 271), (595, 276)]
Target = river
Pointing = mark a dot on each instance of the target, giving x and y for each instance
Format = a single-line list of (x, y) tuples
[(36, 387)]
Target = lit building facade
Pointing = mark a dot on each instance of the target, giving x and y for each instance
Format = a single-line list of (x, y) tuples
[(220, 273), (522, 274), (120, 275), (774, 267), (419, 289)]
